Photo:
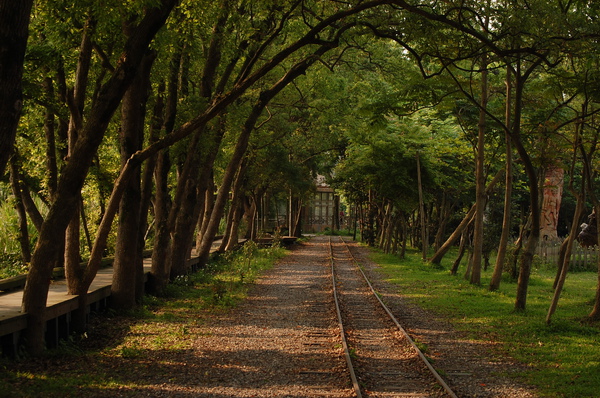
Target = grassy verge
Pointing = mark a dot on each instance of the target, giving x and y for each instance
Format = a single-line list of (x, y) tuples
[(123, 352), (564, 357)]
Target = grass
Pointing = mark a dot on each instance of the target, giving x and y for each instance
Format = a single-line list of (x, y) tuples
[(123, 351), (563, 358)]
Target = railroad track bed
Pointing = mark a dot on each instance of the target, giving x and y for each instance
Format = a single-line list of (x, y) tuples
[(385, 362), (284, 341), (470, 367)]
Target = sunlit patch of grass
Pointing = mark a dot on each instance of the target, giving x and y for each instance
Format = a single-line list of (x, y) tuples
[(564, 357)]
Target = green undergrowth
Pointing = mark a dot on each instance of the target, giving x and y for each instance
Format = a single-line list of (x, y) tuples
[(561, 359), (124, 351)]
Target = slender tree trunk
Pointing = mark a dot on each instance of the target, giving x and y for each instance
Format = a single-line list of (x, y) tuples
[(404, 236), (231, 238), (421, 211), (209, 203), (595, 313), (469, 269), (249, 216), (147, 184), (49, 132), (567, 257), (445, 210), (23, 237), (528, 253), (32, 211)]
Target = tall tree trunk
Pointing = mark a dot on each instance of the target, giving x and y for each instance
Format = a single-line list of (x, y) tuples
[(14, 31), (127, 284), (526, 258), (506, 218), (184, 219), (204, 216), (480, 196), (147, 178), (553, 188), (445, 209), (49, 132), (160, 270), (76, 103), (231, 238)]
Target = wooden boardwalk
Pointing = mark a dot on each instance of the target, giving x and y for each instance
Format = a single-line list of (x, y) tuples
[(58, 312)]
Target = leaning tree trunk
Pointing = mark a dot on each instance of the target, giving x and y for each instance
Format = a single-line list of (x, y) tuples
[(230, 240), (461, 251), (242, 144), (436, 259)]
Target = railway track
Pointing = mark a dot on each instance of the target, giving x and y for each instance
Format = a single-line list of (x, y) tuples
[(382, 358)]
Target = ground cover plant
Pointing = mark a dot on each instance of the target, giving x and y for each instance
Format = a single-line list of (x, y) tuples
[(124, 350), (563, 358)]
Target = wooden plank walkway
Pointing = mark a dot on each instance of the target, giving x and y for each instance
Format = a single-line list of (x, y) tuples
[(58, 311)]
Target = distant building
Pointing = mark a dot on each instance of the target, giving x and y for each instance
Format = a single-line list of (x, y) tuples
[(323, 211)]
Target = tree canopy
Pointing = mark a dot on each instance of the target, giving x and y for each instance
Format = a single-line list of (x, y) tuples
[(162, 123)]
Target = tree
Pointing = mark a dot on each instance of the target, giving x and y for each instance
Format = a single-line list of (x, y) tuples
[(14, 23), (74, 172)]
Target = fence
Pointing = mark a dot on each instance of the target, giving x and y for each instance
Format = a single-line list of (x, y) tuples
[(582, 258)]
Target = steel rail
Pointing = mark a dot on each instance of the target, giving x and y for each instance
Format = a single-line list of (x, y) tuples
[(434, 372), (341, 326)]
